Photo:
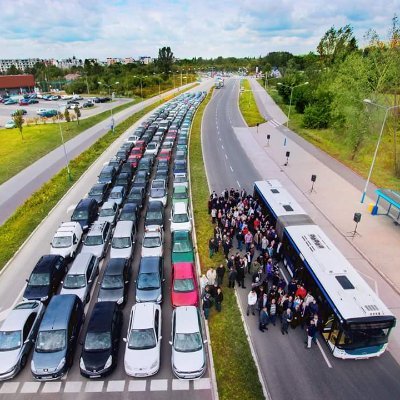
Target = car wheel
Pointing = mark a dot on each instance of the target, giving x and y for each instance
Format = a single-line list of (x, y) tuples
[(23, 361)]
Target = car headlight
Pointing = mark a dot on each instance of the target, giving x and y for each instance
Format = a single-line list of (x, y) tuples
[(82, 364), (33, 368), (159, 298), (108, 363), (61, 364), (44, 298), (154, 364), (120, 301)]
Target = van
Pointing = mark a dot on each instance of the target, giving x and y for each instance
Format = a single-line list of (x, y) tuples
[(57, 337), (123, 240), (66, 240), (180, 218), (85, 213)]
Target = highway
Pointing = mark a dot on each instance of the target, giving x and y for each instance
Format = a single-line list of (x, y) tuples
[(117, 385), (289, 370)]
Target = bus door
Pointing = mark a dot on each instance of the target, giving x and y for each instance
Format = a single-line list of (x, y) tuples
[(331, 331)]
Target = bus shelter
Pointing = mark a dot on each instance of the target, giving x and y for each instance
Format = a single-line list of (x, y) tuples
[(388, 197)]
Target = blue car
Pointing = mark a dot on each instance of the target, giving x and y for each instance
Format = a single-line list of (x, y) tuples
[(48, 113), (10, 101)]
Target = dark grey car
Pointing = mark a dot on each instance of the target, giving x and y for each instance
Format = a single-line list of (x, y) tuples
[(150, 279)]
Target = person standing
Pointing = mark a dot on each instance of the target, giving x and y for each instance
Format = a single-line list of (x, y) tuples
[(251, 302), (287, 318), (206, 304), (211, 276), (311, 332), (248, 240), (272, 311), (220, 274), (203, 283), (240, 274), (211, 247), (240, 240), (232, 278), (264, 319), (219, 297)]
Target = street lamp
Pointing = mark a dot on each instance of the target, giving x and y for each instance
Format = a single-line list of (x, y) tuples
[(111, 109), (291, 96), (368, 101), (62, 141)]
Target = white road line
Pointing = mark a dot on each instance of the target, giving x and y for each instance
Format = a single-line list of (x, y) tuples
[(72, 387), (137, 386), (157, 385), (238, 183), (226, 157), (177, 384), (94, 386), (323, 354), (30, 387), (51, 387), (116, 386), (9, 387), (231, 168), (223, 148), (202, 383)]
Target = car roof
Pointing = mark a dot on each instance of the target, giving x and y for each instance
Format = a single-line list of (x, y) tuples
[(149, 264), (123, 228), (180, 235), (80, 263), (109, 204), (183, 270), (84, 203), (118, 189), (178, 189), (186, 319), (142, 315), (155, 205), (97, 227), (102, 316), (55, 314), (46, 263), (16, 318), (180, 207), (115, 266), (108, 168)]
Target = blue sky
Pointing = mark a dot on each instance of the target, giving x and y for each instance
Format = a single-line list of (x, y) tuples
[(202, 28)]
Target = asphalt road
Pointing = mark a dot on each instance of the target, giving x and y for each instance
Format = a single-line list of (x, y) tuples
[(289, 371), (117, 385), (17, 189)]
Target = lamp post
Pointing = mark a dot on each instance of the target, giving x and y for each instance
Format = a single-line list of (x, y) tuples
[(368, 101), (291, 96), (111, 109), (63, 144)]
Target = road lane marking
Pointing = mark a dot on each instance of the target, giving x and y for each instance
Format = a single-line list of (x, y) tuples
[(238, 183), (51, 387), (116, 386), (73, 387), (94, 386), (222, 147), (157, 385), (226, 157), (30, 387), (177, 384), (231, 168), (137, 386), (202, 383), (323, 354), (9, 387)]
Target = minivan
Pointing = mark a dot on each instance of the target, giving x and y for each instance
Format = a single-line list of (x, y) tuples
[(57, 337), (85, 213), (123, 240)]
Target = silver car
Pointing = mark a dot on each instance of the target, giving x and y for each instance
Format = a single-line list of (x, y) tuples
[(17, 335), (152, 244), (81, 276), (97, 239), (108, 212)]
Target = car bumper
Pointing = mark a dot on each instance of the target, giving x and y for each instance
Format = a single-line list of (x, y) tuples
[(10, 374), (49, 377), (189, 375), (96, 374), (141, 373)]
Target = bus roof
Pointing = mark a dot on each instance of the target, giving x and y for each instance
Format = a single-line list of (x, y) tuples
[(351, 295)]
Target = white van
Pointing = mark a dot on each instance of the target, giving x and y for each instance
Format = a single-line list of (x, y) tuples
[(180, 218), (123, 240), (67, 239)]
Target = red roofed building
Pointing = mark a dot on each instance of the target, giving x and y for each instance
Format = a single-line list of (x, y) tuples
[(15, 84)]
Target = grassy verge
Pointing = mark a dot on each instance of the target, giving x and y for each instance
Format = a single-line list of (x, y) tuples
[(248, 106), (234, 365), (28, 216), (333, 144)]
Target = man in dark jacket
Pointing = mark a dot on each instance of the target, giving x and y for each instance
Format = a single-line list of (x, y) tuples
[(206, 304), (220, 274), (219, 297), (232, 277), (264, 319)]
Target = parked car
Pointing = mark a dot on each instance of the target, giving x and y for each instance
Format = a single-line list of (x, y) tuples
[(33, 101), (136, 196), (188, 357), (87, 104), (100, 346), (45, 278), (85, 213), (81, 276), (97, 240), (154, 214), (181, 180), (143, 341), (114, 285), (180, 194), (67, 239), (10, 101), (20, 111), (117, 194), (158, 191), (57, 337), (99, 192), (24, 102), (124, 179), (182, 247), (180, 217), (141, 180), (129, 212), (180, 167), (109, 212), (123, 240), (17, 335), (107, 175), (150, 280), (116, 163), (152, 148), (153, 242), (10, 124), (184, 290)]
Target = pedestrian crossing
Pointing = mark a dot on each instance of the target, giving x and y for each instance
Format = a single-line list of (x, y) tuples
[(274, 123), (112, 386)]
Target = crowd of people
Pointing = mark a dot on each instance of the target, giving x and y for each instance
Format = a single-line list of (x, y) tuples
[(239, 220)]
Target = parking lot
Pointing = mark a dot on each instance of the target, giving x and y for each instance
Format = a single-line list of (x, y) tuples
[(6, 110)]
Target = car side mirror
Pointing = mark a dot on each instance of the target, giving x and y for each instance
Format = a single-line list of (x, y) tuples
[(170, 342), (90, 281), (126, 281), (160, 337), (124, 339), (205, 341)]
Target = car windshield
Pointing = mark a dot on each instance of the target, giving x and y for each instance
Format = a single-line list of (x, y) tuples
[(140, 179), (112, 282), (115, 195), (135, 196), (105, 176), (152, 215), (142, 339), (157, 185), (62, 241), (107, 212), (187, 342), (51, 341), (127, 216), (39, 280), (180, 195), (148, 281), (10, 340), (153, 241), (79, 215), (74, 281), (183, 285), (96, 341), (181, 246), (180, 179), (95, 191), (121, 242), (157, 192), (94, 240), (179, 218)]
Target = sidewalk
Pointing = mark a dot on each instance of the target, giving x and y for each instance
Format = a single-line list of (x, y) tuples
[(375, 253)]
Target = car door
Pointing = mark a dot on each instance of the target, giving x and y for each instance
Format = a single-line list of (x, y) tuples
[(90, 274), (28, 334)]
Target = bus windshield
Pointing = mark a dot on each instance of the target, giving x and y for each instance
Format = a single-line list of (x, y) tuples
[(364, 335)]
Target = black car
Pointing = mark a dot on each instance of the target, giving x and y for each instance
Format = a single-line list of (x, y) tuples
[(116, 163), (127, 167), (129, 212), (99, 192), (124, 179), (162, 175), (86, 212), (45, 278), (107, 175), (154, 214), (122, 154), (162, 165), (136, 196), (127, 146), (100, 347), (115, 282), (141, 180), (87, 104)]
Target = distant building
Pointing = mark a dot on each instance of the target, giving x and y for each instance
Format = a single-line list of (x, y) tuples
[(145, 60), (69, 62), (128, 60), (113, 60), (16, 84), (22, 64)]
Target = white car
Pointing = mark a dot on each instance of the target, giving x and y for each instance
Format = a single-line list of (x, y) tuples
[(41, 110), (67, 239), (181, 180), (188, 354), (180, 217), (143, 342), (158, 191), (97, 239), (108, 212), (133, 139), (66, 97), (152, 148), (152, 244)]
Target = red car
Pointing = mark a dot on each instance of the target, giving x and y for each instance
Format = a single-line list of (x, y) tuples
[(184, 285), (136, 152), (141, 144), (134, 161), (165, 154)]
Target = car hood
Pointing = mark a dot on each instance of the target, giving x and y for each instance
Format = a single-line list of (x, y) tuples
[(141, 360), (109, 219), (96, 360), (187, 362), (121, 253), (154, 221), (97, 197), (62, 251), (110, 294), (183, 257), (185, 299), (148, 295), (96, 250), (157, 193), (80, 292), (47, 361), (36, 292), (151, 252), (8, 360)]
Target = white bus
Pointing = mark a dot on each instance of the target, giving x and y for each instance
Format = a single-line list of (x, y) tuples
[(356, 323)]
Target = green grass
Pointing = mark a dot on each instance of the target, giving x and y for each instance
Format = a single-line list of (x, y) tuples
[(327, 140), (27, 217), (248, 106), (234, 365)]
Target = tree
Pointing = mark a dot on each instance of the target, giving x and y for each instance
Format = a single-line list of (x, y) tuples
[(19, 121), (13, 70), (77, 113), (66, 115), (165, 59)]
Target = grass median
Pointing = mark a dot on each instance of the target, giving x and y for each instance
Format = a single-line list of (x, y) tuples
[(235, 369), (248, 106), (27, 217)]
